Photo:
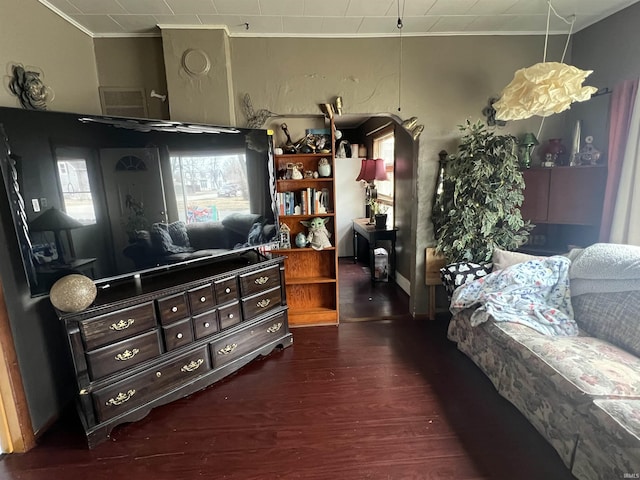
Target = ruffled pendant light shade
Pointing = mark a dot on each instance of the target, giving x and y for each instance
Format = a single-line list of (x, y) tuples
[(543, 89)]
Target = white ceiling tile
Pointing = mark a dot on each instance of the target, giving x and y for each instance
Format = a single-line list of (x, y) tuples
[(146, 7), (89, 7), (237, 7), (98, 23), (418, 24), (196, 7), (325, 8), (381, 25), (63, 5), (416, 8), (178, 19), (233, 22), (302, 25), (372, 8), (342, 17), (137, 23), (283, 8), (457, 23), (491, 7), (338, 25), (262, 24), (487, 23), (451, 7)]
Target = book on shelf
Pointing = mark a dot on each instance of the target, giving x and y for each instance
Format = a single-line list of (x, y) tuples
[(309, 201)]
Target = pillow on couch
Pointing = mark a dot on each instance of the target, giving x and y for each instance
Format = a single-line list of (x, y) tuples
[(164, 243), (457, 274), (610, 316), (504, 258)]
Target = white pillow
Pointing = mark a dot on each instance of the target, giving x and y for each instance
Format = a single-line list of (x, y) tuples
[(503, 258)]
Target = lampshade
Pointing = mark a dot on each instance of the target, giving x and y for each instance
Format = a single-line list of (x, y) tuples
[(54, 220), (529, 139), (372, 169), (543, 89)]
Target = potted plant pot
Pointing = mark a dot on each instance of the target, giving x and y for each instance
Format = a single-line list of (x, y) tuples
[(381, 221)]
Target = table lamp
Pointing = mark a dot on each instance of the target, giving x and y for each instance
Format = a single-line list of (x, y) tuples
[(54, 220), (371, 170)]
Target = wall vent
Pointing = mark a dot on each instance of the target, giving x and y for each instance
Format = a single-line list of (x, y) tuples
[(123, 102)]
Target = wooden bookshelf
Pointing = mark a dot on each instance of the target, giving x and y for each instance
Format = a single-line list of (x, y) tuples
[(311, 276)]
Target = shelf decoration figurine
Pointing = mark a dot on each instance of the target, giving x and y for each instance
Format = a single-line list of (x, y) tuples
[(284, 237), (318, 236), (588, 155), (324, 167), (301, 240)]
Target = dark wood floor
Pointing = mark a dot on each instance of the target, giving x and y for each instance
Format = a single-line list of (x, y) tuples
[(381, 399)]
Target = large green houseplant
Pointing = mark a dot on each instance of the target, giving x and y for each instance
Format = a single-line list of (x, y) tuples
[(477, 207)]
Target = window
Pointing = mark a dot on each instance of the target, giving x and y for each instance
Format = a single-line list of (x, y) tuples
[(208, 188), (77, 198), (384, 147)]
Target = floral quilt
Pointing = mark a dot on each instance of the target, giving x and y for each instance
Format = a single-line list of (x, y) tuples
[(534, 293)]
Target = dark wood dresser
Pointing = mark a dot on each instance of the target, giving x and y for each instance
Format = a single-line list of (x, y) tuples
[(149, 341)]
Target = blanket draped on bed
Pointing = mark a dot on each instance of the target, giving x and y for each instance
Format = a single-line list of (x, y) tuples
[(534, 293)]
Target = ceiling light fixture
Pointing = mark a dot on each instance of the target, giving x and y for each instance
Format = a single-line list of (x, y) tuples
[(544, 88), (400, 25)]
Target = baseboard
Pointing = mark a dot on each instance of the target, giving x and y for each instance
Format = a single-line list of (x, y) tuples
[(403, 283)]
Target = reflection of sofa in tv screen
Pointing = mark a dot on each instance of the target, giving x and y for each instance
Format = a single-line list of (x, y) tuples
[(164, 244)]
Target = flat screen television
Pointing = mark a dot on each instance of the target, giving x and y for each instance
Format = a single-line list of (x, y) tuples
[(114, 197)]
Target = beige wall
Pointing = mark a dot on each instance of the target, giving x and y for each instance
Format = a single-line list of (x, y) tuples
[(611, 48), (443, 90), (32, 35), (134, 63)]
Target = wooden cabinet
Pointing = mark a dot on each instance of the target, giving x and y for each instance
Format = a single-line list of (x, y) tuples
[(147, 343), (311, 275), (565, 204)]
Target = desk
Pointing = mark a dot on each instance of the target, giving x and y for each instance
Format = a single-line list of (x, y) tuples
[(362, 229)]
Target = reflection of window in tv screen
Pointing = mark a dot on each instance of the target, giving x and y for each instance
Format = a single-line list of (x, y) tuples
[(209, 187)]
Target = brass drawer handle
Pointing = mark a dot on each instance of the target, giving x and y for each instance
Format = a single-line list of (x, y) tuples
[(227, 290), (203, 299), (179, 336), (121, 398), (122, 324), (228, 349), (261, 280), (174, 309), (127, 354), (275, 327), (193, 365), (263, 303), (207, 324)]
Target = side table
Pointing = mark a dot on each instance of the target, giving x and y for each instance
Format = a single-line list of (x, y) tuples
[(361, 228)]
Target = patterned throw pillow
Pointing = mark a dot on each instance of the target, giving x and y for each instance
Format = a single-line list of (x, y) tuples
[(162, 241), (178, 232), (457, 274)]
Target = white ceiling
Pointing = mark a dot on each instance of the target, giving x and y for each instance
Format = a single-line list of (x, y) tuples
[(331, 18)]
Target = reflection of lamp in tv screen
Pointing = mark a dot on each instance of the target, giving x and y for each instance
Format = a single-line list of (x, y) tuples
[(54, 220)]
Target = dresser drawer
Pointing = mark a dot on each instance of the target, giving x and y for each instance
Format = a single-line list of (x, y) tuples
[(205, 324), (226, 290), (261, 303), (173, 308), (201, 299), (229, 315), (149, 385), (264, 279), (177, 334), (123, 354), (115, 326), (234, 346)]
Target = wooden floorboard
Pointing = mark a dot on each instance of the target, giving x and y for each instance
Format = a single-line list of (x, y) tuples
[(389, 398)]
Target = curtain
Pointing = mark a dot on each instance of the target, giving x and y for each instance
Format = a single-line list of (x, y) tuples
[(622, 102), (625, 227)]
